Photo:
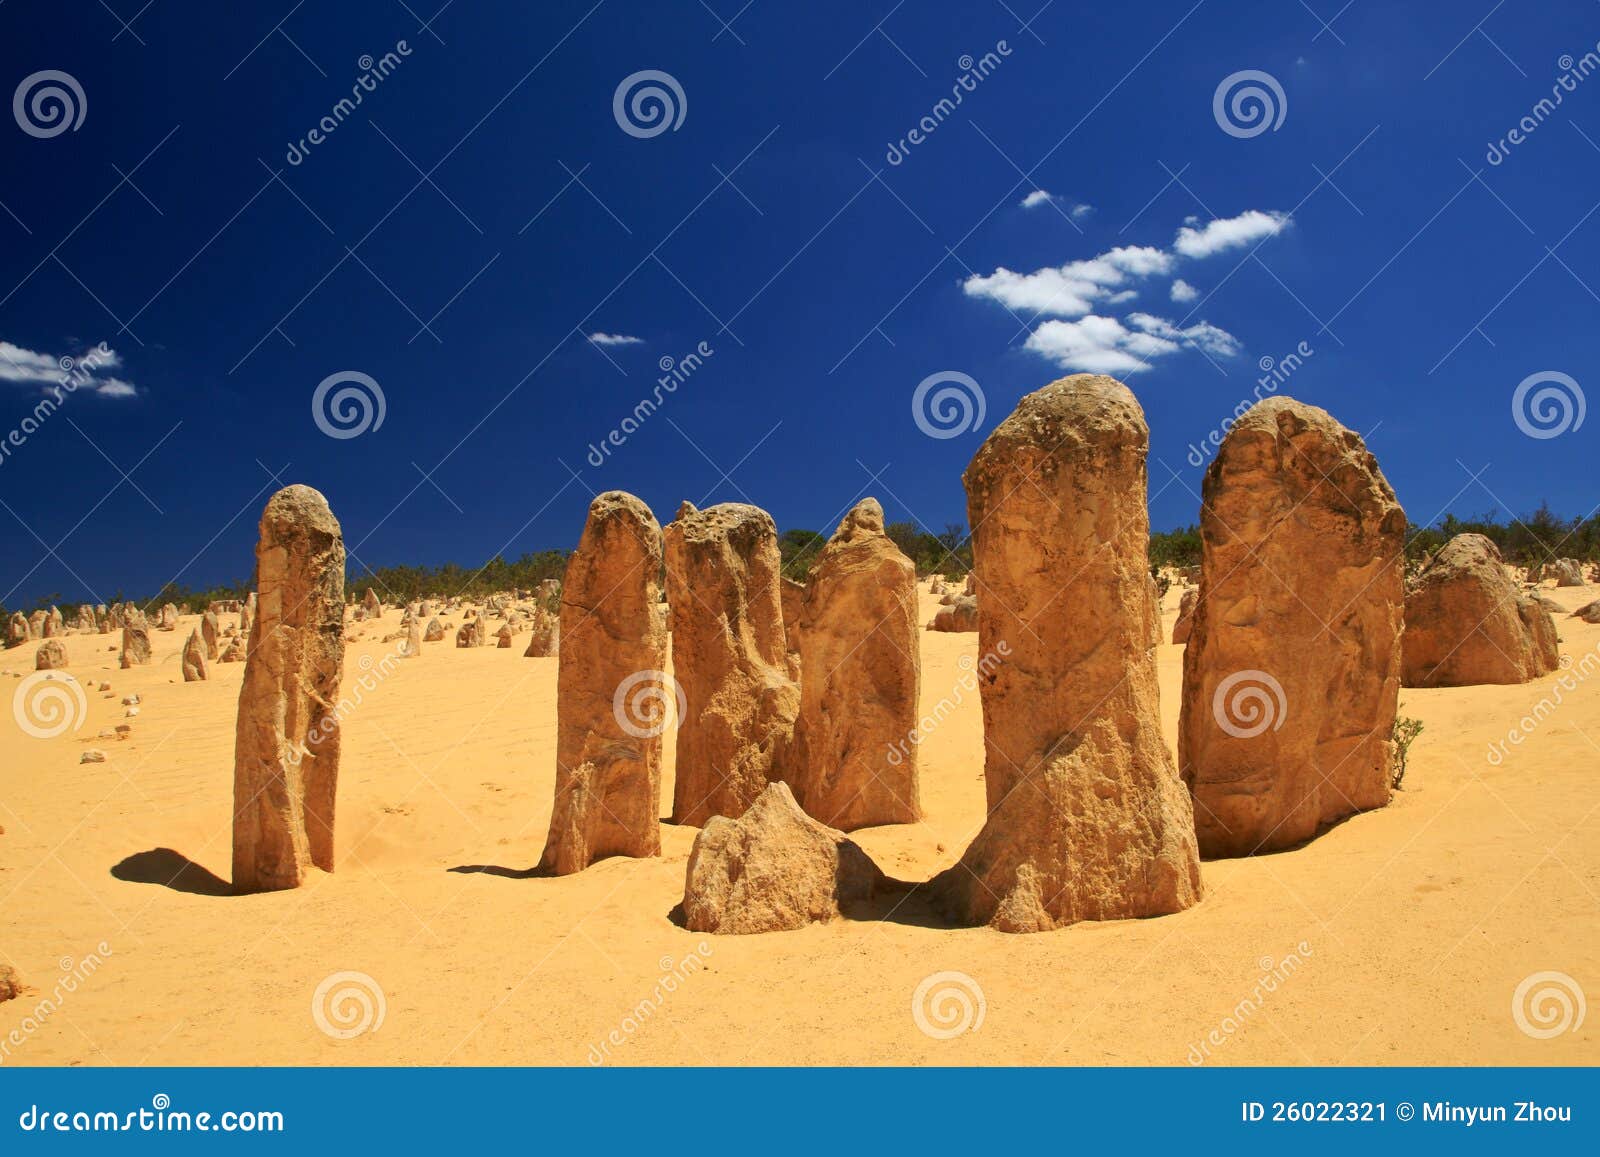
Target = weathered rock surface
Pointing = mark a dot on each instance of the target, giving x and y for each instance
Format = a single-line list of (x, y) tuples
[(858, 702), (1186, 605), (772, 869), (17, 632), (135, 640), (728, 650), (210, 632), (1589, 612), (194, 658), (1088, 819), (1568, 572), (413, 638), (286, 751), (612, 691), (544, 635), (1292, 673), (1467, 622), (960, 615), (51, 656), (372, 604)]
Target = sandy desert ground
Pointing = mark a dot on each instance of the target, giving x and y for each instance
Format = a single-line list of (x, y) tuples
[(1414, 925)]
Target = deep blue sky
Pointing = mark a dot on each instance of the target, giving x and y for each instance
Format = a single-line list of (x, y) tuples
[(827, 294)]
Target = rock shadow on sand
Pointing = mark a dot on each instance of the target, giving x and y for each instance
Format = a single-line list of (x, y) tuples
[(167, 868)]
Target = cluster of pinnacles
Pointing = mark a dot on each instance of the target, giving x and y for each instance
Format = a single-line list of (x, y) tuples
[(794, 702)]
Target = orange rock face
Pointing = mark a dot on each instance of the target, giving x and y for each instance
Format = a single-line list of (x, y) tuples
[(612, 691), (1087, 817), (1468, 622), (728, 651), (286, 748), (851, 767), (1292, 671)]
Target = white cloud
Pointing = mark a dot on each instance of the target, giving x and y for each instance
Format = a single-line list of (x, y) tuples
[(1079, 289), (1070, 290), (1229, 233), (602, 338), (1036, 198), (26, 367), (1104, 345), (1202, 335), (1079, 212)]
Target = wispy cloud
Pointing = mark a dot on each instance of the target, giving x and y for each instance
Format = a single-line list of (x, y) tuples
[(1231, 233), (1183, 292), (600, 337), (1040, 197), (1104, 345), (25, 367)]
